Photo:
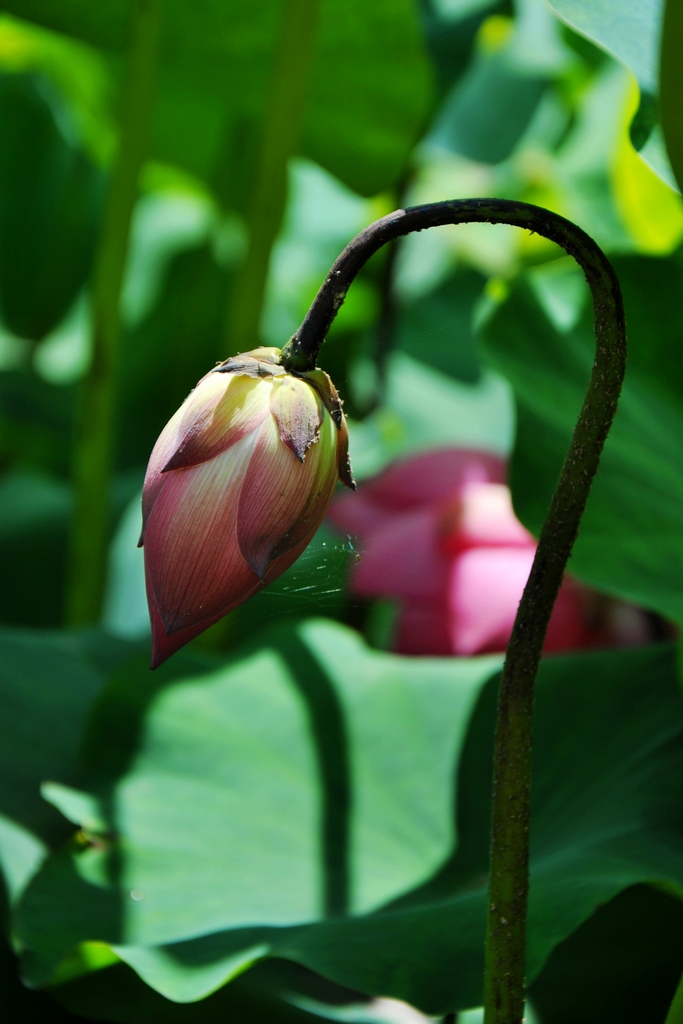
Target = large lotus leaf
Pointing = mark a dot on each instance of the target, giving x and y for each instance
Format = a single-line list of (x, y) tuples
[(358, 748), (631, 537), (608, 761), (362, 117), (194, 774)]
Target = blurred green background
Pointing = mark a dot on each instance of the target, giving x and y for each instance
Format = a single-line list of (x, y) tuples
[(175, 180)]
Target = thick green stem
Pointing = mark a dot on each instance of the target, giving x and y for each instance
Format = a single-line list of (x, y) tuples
[(280, 133), (509, 880), (675, 1014), (94, 442)]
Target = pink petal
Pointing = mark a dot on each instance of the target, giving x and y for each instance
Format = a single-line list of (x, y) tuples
[(485, 589), (404, 560), (298, 413), (222, 409), (423, 630), (412, 483), (191, 551), (432, 476), (482, 516), (282, 500)]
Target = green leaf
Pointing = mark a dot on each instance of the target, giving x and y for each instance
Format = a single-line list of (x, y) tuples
[(256, 801), (631, 33), (671, 86), (50, 203), (21, 854), (487, 112), (362, 118), (630, 543)]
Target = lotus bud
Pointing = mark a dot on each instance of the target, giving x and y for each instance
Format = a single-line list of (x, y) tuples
[(237, 484)]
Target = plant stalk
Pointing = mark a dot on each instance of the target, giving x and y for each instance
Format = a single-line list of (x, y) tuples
[(504, 979), (280, 133), (94, 441)]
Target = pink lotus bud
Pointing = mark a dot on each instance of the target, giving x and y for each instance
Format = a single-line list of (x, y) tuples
[(237, 484)]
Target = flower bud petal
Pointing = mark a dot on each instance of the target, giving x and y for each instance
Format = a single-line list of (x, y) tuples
[(283, 500), (196, 569), (298, 412), (260, 362), (237, 485), (166, 445), (165, 644), (221, 410), (343, 460), (322, 383)]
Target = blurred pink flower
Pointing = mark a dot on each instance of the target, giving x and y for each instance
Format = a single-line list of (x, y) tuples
[(439, 535)]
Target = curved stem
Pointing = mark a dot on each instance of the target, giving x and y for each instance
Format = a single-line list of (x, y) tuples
[(509, 878), (94, 442)]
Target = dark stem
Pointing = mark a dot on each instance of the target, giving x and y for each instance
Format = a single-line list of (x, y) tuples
[(509, 880)]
